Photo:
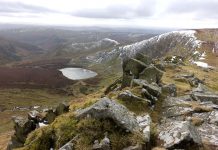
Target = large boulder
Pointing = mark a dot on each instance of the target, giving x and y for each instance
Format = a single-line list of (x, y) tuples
[(179, 135), (50, 116), (133, 67), (147, 95), (22, 127), (143, 58), (61, 108), (153, 89), (106, 108), (151, 74)]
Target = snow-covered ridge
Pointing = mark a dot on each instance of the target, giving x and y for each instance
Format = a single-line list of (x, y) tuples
[(187, 37), (155, 47)]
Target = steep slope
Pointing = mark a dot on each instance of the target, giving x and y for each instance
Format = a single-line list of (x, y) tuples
[(180, 43), (14, 51)]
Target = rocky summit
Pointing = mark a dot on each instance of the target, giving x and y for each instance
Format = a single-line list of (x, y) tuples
[(154, 104)]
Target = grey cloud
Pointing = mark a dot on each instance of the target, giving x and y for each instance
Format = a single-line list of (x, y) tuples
[(201, 8), (16, 7), (145, 9)]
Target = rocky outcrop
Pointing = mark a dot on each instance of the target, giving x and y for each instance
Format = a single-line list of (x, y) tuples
[(140, 67), (106, 108), (203, 114), (22, 127), (179, 135), (35, 119), (151, 74)]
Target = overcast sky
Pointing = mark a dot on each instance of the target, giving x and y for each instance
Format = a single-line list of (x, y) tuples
[(116, 13)]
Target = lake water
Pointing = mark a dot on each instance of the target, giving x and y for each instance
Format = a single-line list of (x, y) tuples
[(78, 73)]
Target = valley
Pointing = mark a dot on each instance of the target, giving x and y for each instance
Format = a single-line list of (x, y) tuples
[(116, 61), (29, 68)]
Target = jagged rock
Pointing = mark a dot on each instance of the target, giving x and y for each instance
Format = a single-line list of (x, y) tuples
[(143, 58), (151, 74), (23, 127), (145, 123), (106, 108), (139, 82), (137, 147), (213, 118), (113, 86), (50, 116), (153, 89), (170, 89), (146, 94), (128, 96), (133, 67), (179, 135), (205, 97), (61, 108), (175, 101), (33, 115), (209, 129)]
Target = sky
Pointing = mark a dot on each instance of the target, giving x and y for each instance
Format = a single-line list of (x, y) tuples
[(112, 13)]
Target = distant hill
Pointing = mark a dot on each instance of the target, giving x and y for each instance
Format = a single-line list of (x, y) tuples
[(15, 51)]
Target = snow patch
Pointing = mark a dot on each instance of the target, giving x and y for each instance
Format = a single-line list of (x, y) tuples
[(42, 124), (112, 41), (202, 64)]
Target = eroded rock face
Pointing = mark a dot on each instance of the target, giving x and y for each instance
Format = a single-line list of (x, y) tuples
[(179, 134)]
